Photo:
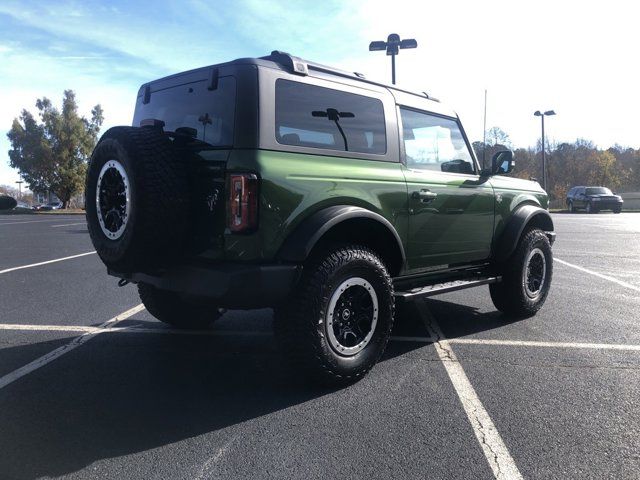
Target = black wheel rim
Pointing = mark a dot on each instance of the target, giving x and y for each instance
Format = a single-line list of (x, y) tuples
[(352, 316), (535, 273), (113, 199)]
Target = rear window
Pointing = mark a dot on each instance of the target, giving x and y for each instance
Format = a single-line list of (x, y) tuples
[(318, 117), (210, 113)]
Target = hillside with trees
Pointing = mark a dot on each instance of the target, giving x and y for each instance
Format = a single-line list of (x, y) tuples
[(569, 164)]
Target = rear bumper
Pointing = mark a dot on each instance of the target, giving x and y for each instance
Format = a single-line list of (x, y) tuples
[(232, 285)]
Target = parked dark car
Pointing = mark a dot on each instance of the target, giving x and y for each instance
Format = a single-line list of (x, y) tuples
[(51, 206), (593, 199)]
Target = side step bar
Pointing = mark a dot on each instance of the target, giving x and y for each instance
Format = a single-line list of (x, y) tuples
[(438, 288)]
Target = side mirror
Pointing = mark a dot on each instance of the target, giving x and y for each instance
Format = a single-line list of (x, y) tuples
[(502, 163)]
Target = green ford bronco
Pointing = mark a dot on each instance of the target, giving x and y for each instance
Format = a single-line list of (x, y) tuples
[(277, 182)]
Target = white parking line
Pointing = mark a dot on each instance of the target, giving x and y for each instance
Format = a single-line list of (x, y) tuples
[(599, 275), (525, 343), (30, 221), (48, 328), (249, 333), (58, 352), (68, 225), (131, 329), (13, 269), (495, 451)]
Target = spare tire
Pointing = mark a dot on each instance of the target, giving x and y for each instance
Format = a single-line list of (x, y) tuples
[(136, 199)]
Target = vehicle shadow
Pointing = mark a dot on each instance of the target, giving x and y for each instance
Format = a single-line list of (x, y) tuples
[(458, 320), (125, 393)]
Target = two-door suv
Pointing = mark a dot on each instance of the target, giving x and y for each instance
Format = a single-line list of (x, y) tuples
[(277, 182)]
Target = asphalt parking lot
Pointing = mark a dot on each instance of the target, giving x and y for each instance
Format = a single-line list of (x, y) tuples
[(91, 386)]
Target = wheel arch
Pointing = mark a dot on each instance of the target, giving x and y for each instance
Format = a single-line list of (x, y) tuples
[(523, 218), (345, 222)]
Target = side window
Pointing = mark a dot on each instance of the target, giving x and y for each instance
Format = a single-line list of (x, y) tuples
[(434, 143), (318, 117)]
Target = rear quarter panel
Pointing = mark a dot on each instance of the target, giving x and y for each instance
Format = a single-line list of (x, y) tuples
[(293, 186)]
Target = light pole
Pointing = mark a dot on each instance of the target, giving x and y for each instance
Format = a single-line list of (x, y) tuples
[(393, 45), (544, 163), (19, 182)]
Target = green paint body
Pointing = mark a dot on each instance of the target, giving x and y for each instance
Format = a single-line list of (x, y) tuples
[(459, 226)]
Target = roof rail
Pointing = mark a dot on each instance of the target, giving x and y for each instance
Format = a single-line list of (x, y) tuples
[(295, 64), (301, 67), (429, 97)]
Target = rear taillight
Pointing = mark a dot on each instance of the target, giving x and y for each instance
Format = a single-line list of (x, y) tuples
[(242, 210)]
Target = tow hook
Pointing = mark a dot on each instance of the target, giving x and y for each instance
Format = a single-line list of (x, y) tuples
[(122, 282)]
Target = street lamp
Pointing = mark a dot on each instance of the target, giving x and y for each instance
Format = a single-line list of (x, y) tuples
[(393, 45), (19, 182), (544, 164)]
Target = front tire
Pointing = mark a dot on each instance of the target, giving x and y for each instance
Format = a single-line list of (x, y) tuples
[(335, 327), (176, 310), (526, 277)]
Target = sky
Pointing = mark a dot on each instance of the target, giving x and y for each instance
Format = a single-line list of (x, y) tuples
[(578, 58)]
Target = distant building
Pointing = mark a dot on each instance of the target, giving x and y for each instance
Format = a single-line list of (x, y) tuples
[(631, 200), (44, 197)]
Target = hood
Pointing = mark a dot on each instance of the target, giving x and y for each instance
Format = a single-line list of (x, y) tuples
[(516, 183)]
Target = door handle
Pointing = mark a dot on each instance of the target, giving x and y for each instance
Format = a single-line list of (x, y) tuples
[(424, 195)]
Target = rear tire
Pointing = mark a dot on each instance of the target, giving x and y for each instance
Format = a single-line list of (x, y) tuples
[(336, 325), (176, 310), (526, 277), (571, 208)]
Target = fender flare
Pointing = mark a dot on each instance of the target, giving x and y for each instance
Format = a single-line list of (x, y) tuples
[(300, 243), (520, 218)]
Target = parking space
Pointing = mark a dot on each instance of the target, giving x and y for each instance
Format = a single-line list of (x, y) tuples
[(460, 393)]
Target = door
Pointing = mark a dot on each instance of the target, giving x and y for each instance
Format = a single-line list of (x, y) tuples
[(581, 198), (451, 207)]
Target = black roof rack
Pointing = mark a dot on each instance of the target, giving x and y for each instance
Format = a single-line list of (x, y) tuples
[(301, 67)]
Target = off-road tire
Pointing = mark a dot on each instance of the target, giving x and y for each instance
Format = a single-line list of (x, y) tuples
[(510, 295), (156, 225), (301, 324), (176, 310)]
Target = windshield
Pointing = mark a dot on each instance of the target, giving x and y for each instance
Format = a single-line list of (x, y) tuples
[(598, 191)]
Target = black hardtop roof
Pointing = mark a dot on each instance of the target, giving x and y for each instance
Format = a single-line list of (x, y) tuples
[(289, 63)]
